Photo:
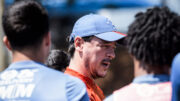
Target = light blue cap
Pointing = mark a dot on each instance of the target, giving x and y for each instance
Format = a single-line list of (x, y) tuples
[(95, 25)]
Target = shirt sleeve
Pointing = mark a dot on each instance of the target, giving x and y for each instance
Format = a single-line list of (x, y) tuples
[(175, 75), (109, 98), (76, 90)]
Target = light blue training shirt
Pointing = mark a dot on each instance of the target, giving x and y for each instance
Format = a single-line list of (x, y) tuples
[(33, 81), (148, 79), (175, 78)]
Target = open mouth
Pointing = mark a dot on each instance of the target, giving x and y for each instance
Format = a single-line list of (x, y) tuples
[(106, 64)]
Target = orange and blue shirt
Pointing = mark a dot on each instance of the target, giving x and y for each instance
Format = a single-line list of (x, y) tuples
[(94, 92)]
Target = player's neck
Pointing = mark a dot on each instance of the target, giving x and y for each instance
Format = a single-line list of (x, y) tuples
[(26, 55), (77, 65), (139, 70)]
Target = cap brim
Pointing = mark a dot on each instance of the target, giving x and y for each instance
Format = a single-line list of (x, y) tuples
[(111, 36)]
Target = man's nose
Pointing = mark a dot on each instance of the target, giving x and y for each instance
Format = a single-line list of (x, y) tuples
[(111, 54)]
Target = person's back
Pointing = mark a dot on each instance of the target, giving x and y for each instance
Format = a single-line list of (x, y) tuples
[(152, 41), (144, 92), (27, 35), (175, 75), (32, 81)]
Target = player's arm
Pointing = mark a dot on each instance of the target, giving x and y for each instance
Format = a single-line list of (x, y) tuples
[(175, 75)]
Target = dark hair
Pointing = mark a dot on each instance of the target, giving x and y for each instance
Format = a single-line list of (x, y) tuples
[(154, 37), (71, 49), (25, 23), (58, 59)]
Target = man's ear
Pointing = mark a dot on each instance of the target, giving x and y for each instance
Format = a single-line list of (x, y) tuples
[(78, 43), (7, 43), (47, 39)]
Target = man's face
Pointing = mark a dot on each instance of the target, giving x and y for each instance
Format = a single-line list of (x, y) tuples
[(97, 55)]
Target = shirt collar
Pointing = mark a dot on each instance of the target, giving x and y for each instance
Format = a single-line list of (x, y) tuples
[(22, 64), (86, 79), (152, 79)]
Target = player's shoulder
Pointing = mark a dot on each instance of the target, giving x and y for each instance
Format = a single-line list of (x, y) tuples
[(53, 74), (59, 75), (71, 80), (176, 60), (122, 93), (75, 88), (126, 89)]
